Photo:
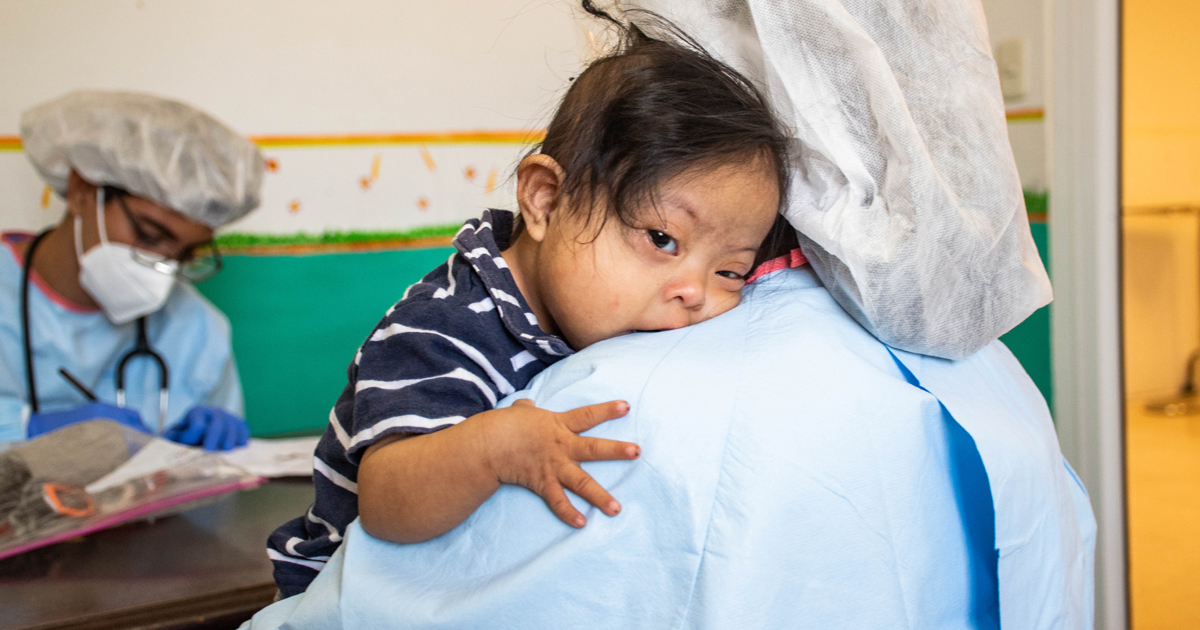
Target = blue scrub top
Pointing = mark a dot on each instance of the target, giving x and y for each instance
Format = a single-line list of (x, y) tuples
[(189, 332), (795, 473)]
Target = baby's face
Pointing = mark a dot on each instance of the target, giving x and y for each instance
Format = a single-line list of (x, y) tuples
[(681, 263)]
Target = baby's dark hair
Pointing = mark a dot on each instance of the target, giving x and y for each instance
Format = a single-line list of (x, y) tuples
[(654, 109)]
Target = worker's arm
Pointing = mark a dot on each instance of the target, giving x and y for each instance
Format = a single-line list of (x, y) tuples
[(412, 489)]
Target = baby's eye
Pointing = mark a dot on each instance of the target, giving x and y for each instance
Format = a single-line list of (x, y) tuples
[(732, 275), (663, 241)]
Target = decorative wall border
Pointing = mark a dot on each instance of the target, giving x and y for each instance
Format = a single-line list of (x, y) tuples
[(477, 136)]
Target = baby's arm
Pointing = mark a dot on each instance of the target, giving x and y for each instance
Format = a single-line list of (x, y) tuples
[(412, 489)]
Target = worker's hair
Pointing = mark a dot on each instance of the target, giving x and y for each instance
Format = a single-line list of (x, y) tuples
[(654, 109)]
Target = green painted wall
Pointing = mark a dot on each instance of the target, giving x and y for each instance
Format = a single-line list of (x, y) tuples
[(298, 320), (1030, 340)]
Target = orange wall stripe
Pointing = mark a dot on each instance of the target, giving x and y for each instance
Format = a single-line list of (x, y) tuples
[(1025, 113), (447, 137), (13, 143)]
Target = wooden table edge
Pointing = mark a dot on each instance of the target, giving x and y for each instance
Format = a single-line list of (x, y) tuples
[(197, 611)]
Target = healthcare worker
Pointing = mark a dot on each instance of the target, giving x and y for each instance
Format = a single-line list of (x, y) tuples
[(98, 318)]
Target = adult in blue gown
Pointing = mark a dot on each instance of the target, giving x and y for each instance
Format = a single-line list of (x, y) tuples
[(146, 181), (795, 473)]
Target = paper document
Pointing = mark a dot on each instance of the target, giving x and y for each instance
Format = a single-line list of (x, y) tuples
[(154, 456), (290, 457)]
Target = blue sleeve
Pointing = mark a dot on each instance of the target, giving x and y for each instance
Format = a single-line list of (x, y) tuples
[(227, 394), (12, 418)]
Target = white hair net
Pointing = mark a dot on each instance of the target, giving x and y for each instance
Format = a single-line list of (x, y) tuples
[(906, 197), (171, 153)]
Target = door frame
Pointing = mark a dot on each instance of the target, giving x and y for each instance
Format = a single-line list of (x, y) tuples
[(1084, 143)]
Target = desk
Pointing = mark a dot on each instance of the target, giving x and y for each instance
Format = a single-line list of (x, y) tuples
[(205, 568)]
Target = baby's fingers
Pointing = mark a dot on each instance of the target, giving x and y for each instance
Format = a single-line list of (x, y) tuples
[(583, 485), (584, 418), (558, 503), (595, 450)]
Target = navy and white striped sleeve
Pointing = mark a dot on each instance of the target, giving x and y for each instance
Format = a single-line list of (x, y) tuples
[(414, 378), (411, 376), (452, 347)]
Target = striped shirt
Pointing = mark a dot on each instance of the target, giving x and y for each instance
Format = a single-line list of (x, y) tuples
[(455, 344)]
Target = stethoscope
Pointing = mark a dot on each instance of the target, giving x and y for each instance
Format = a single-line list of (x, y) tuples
[(141, 348)]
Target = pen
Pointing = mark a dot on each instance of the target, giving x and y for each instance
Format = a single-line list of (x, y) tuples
[(80, 386)]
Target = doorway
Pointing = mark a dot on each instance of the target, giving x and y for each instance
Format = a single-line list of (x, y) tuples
[(1160, 212)]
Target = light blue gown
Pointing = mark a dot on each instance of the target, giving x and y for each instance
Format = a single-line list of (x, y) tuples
[(190, 333), (795, 473)]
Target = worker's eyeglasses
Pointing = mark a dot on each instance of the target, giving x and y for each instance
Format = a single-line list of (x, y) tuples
[(196, 264)]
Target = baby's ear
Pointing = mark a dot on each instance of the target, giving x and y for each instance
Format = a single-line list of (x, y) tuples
[(539, 188)]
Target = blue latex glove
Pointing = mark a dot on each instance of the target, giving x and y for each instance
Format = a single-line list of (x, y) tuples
[(212, 428), (40, 423)]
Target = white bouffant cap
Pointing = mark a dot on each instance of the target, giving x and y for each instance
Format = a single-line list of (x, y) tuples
[(166, 151)]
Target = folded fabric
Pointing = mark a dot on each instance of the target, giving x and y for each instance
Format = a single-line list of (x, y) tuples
[(795, 473)]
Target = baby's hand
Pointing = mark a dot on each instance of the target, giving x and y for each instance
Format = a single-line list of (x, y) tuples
[(541, 450)]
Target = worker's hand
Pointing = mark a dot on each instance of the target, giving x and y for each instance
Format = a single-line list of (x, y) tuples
[(40, 423), (541, 450), (212, 428)]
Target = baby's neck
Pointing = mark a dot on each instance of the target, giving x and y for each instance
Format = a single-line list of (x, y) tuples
[(521, 257)]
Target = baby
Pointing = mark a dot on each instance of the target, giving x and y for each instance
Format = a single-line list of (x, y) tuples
[(653, 197)]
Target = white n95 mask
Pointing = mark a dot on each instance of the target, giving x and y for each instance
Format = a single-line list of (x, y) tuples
[(124, 288)]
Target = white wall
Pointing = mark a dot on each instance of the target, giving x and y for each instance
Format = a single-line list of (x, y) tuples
[(305, 67), (1025, 19), (297, 67)]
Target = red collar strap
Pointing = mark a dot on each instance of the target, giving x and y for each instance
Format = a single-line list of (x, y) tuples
[(791, 260)]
